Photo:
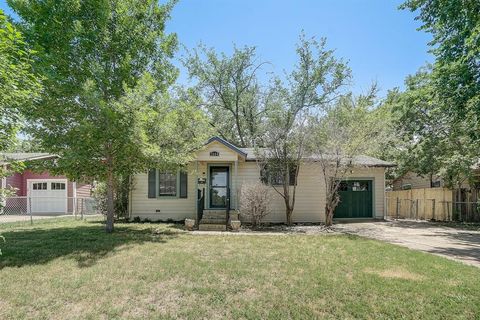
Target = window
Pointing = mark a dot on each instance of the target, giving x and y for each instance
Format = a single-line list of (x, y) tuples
[(40, 186), (167, 184), (360, 186), (275, 176), (214, 154), (435, 184), (58, 186), (406, 186)]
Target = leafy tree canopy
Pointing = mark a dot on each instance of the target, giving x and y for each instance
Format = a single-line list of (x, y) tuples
[(19, 86), (231, 92), (441, 106)]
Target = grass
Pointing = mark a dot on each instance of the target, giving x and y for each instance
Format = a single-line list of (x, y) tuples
[(67, 269)]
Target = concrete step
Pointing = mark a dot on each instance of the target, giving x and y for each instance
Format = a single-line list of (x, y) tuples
[(212, 227), (215, 212), (212, 216), (213, 220)]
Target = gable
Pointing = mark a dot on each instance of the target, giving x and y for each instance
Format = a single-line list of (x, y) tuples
[(216, 151)]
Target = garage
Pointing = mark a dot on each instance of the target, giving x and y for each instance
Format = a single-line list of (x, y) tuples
[(356, 199), (48, 195)]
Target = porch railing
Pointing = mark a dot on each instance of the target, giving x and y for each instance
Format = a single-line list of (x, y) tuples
[(228, 207), (200, 204)]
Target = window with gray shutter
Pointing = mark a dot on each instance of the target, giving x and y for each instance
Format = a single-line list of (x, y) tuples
[(152, 182), (183, 184)]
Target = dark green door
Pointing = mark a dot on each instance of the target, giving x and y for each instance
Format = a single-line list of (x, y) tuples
[(356, 199)]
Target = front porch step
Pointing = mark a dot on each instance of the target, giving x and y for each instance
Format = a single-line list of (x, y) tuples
[(210, 220), (214, 213), (212, 227)]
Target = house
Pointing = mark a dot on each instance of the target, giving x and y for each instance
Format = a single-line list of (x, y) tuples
[(412, 180), (40, 192), (209, 188)]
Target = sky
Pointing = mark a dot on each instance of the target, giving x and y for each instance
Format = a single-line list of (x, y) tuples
[(380, 42)]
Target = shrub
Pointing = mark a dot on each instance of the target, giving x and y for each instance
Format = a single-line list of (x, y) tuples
[(136, 219), (255, 201), (120, 197)]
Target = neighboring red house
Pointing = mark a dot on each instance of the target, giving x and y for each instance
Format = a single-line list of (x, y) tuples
[(41, 192)]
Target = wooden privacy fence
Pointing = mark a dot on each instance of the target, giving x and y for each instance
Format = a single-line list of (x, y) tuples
[(424, 204)]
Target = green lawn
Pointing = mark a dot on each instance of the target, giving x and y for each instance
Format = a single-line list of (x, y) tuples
[(66, 269)]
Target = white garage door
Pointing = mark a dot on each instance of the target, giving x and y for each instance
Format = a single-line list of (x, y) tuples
[(48, 196)]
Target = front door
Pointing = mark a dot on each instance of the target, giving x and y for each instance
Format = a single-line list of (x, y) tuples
[(219, 184)]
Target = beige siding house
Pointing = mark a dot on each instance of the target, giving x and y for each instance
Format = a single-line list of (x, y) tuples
[(211, 185), (411, 180)]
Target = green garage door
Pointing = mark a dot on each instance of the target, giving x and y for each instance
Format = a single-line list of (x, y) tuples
[(355, 199)]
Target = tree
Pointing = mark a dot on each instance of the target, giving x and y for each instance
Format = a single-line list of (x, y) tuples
[(309, 88), (231, 92), (348, 129), (19, 86), (446, 95), (434, 142), (106, 110)]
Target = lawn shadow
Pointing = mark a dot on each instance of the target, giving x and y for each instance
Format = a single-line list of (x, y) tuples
[(86, 243), (466, 245)]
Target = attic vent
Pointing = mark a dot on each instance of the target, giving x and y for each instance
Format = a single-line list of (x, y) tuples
[(214, 154)]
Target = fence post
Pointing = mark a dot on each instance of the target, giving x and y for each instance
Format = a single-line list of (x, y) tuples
[(398, 207), (30, 209), (74, 206), (448, 211), (433, 209), (411, 209), (83, 205), (416, 209)]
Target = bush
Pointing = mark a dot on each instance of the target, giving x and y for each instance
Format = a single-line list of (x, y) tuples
[(137, 220), (121, 192), (255, 200)]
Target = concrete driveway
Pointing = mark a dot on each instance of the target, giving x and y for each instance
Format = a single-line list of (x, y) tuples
[(457, 244)]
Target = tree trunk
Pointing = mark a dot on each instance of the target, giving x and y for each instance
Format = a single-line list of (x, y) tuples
[(110, 202), (328, 215), (289, 213)]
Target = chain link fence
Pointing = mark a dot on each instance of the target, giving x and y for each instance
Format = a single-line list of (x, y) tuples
[(18, 208)]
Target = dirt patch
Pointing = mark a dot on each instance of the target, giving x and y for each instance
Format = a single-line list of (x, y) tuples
[(397, 273)]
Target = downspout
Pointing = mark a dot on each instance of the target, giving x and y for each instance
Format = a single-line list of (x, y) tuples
[(384, 196), (196, 193), (235, 185), (130, 197)]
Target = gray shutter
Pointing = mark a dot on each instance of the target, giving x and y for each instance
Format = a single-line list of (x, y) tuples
[(152, 183), (183, 184)]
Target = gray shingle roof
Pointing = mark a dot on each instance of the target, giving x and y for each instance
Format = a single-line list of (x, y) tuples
[(360, 160), (6, 157)]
